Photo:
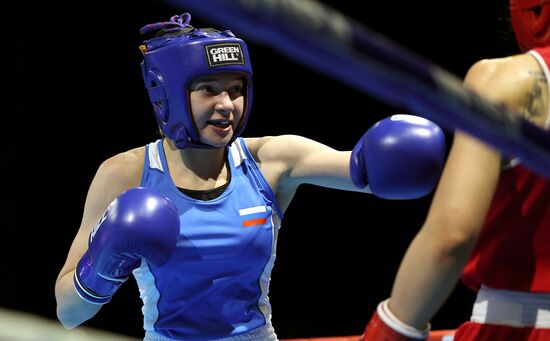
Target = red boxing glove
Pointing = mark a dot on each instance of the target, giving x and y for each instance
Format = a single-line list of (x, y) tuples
[(384, 326)]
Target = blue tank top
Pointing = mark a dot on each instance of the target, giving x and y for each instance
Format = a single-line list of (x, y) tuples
[(216, 282)]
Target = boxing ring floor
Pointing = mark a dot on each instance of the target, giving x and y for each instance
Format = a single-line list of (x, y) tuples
[(436, 335), (20, 326)]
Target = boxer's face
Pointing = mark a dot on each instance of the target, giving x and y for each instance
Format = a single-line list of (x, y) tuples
[(217, 103)]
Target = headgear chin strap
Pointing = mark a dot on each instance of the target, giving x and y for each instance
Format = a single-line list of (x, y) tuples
[(531, 22), (182, 53)]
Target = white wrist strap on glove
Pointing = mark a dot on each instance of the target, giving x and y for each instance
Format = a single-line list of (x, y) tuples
[(393, 322)]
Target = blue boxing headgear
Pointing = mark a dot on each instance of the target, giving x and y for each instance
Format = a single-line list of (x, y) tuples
[(178, 55)]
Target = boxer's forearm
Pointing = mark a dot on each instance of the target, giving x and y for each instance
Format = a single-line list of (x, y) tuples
[(428, 274), (71, 309)]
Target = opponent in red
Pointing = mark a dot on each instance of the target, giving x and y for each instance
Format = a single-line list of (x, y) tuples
[(490, 217)]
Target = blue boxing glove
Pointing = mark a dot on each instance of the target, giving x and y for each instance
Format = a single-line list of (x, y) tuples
[(139, 223), (399, 157)]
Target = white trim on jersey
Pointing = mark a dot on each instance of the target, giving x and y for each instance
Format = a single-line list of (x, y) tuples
[(265, 305), (149, 295), (154, 157), (237, 153)]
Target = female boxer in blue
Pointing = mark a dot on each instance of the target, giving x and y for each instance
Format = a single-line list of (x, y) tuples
[(195, 215)]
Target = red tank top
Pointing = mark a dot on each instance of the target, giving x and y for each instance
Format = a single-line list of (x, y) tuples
[(513, 250)]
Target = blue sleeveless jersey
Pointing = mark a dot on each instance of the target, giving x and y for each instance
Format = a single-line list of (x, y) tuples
[(216, 282)]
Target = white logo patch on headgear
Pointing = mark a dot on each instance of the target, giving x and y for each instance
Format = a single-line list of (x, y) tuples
[(224, 54)]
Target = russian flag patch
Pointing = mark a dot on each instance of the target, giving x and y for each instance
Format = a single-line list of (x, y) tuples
[(253, 216)]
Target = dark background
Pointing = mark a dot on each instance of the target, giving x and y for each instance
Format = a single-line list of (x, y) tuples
[(80, 99)]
